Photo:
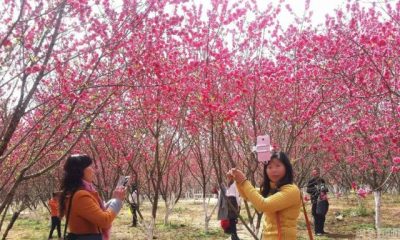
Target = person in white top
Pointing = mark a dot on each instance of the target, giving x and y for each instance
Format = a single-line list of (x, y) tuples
[(232, 191), (229, 207), (133, 204)]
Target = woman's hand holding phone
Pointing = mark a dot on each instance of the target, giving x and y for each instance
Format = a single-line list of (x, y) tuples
[(120, 190), (237, 175), (119, 193)]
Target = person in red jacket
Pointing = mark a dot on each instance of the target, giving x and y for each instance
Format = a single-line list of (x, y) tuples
[(55, 219)]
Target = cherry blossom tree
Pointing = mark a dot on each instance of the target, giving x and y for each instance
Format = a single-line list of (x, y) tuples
[(152, 88), (52, 79)]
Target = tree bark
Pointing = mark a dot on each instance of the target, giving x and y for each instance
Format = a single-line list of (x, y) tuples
[(377, 197)]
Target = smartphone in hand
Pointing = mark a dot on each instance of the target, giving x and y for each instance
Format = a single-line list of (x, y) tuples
[(263, 148), (123, 181)]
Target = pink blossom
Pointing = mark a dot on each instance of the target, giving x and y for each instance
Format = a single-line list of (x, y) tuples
[(7, 43), (395, 169), (362, 192)]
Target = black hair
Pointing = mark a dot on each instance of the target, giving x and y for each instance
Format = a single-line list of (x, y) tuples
[(230, 182), (134, 187), (287, 179), (317, 169), (73, 174)]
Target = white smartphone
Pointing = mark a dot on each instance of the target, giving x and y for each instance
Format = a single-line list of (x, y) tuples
[(123, 181), (263, 148)]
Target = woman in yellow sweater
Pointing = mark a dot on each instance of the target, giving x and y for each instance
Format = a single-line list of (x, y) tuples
[(279, 199), (86, 214)]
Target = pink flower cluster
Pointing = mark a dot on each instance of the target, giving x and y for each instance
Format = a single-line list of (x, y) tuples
[(362, 192), (396, 165)]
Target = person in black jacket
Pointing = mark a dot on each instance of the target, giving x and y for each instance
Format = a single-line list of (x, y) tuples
[(318, 191)]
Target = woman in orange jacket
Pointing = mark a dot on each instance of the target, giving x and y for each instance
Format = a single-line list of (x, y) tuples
[(279, 198), (81, 204)]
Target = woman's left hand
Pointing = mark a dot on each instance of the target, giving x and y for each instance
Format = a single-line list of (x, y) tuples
[(119, 193)]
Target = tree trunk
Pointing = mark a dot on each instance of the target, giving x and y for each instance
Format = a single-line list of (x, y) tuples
[(166, 217), (258, 224), (4, 216), (150, 229), (206, 224), (207, 217), (168, 211), (13, 219), (378, 197)]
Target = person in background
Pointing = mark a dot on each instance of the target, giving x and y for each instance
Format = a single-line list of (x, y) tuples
[(55, 218), (318, 191), (228, 208), (233, 198), (133, 204), (278, 198), (86, 214)]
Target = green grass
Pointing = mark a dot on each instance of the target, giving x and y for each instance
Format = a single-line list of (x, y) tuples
[(31, 229), (170, 226), (178, 210), (359, 211), (391, 199), (364, 226), (211, 233)]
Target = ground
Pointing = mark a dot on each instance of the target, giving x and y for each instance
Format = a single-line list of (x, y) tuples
[(187, 222)]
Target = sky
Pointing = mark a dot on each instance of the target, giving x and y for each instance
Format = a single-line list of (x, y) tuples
[(319, 7)]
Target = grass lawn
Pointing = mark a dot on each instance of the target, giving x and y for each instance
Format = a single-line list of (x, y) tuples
[(187, 222)]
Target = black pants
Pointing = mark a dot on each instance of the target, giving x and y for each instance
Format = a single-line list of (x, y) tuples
[(233, 211), (55, 222), (319, 219), (133, 208), (233, 229)]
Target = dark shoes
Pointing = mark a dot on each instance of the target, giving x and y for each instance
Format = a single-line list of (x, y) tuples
[(234, 237), (320, 234)]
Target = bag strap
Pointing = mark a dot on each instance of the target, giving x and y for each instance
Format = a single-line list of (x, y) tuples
[(278, 224), (68, 213), (278, 221), (306, 218)]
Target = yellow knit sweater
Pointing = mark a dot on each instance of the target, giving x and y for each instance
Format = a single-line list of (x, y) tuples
[(286, 202)]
